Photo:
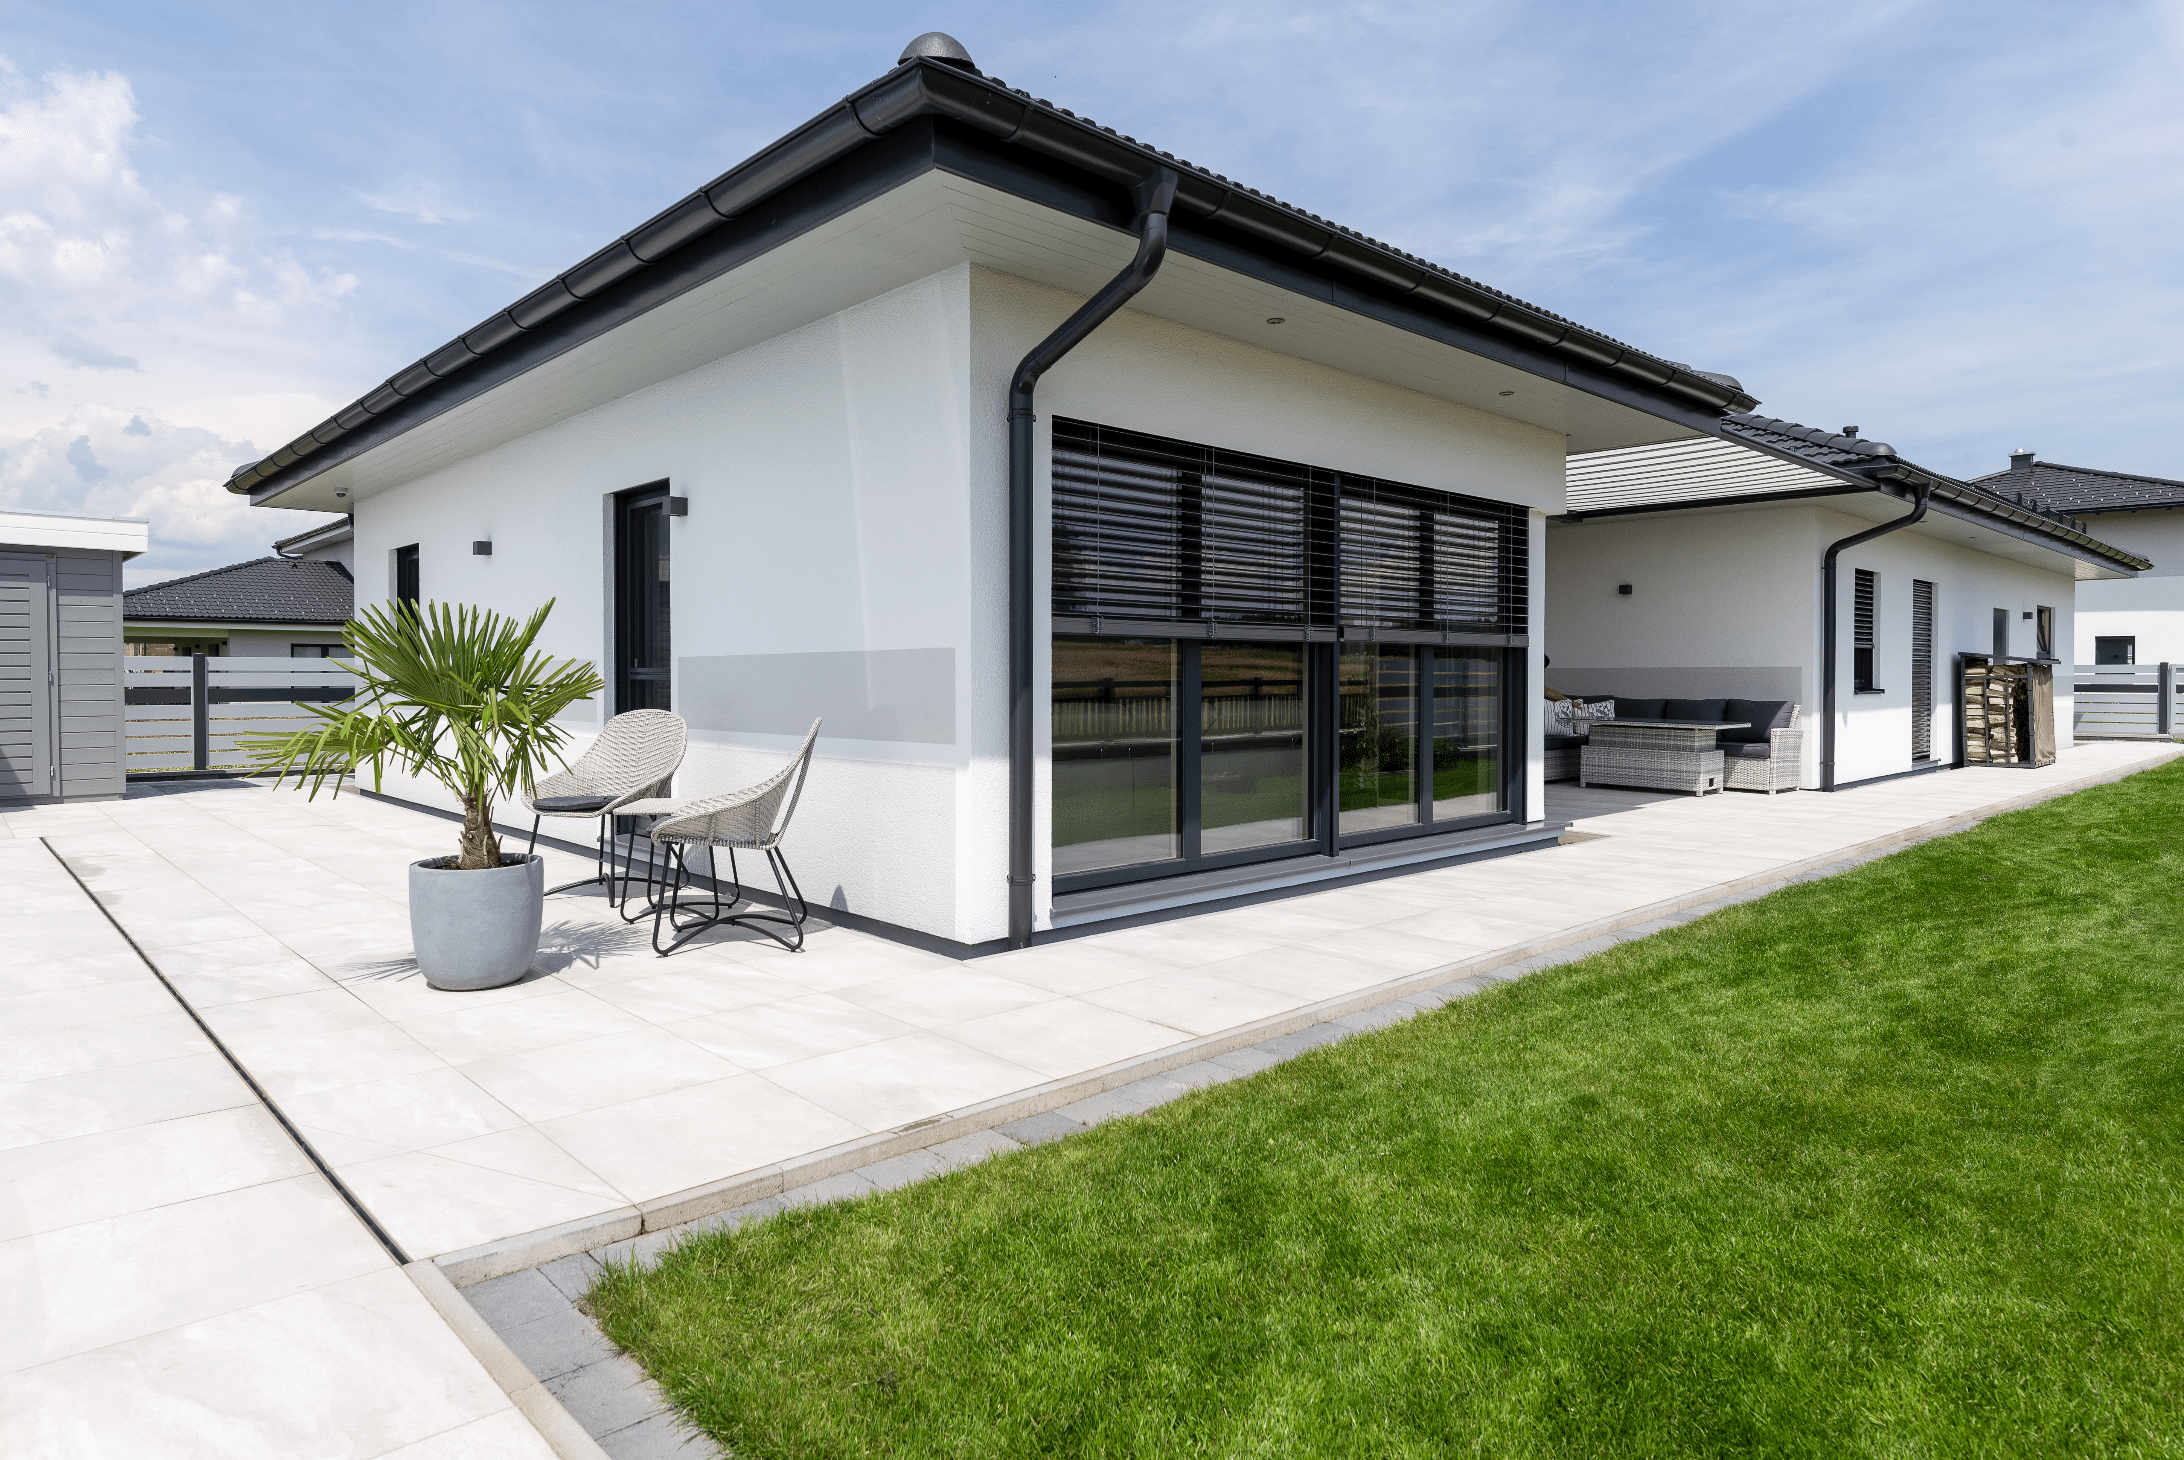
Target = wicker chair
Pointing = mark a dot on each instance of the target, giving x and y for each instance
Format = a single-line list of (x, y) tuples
[(635, 756), (1777, 770), (752, 819)]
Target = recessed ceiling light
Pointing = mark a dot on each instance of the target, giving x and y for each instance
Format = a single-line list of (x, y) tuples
[(1275, 319), (1508, 392)]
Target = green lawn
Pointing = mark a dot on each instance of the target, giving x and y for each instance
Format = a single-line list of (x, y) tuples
[(1883, 1165)]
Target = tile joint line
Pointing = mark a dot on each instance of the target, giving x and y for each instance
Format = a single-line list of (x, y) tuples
[(394, 1250)]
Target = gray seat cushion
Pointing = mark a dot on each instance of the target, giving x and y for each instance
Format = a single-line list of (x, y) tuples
[(1762, 716), (569, 805), (1630, 709), (1693, 710), (1744, 749), (1555, 741)]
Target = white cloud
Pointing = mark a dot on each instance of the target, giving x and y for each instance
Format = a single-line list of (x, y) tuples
[(420, 198), (181, 332)]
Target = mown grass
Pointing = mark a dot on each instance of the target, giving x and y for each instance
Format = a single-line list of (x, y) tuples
[(1882, 1165)]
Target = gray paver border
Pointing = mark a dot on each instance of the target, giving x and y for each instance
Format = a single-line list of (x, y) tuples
[(537, 1309)]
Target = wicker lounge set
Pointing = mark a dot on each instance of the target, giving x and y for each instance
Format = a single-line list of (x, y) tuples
[(1676, 745)]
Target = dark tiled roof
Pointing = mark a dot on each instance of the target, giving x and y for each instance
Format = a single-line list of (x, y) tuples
[(1829, 448), (263, 590), (2083, 488)]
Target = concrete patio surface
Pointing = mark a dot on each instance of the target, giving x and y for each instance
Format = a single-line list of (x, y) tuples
[(614, 1092), (180, 1278)]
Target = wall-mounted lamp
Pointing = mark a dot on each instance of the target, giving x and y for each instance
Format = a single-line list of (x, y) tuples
[(2028, 613), (678, 506), (481, 549), (1623, 588)]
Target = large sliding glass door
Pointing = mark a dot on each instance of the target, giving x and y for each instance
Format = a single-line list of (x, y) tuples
[(1255, 659), (1176, 752)]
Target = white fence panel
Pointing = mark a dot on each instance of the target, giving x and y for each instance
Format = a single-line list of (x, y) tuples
[(173, 725), (2125, 701)]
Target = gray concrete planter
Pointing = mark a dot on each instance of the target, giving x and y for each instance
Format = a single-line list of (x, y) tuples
[(476, 930)]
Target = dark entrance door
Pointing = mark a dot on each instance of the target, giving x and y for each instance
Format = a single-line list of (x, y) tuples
[(643, 643)]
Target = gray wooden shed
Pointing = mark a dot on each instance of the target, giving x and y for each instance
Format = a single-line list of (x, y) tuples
[(60, 654)]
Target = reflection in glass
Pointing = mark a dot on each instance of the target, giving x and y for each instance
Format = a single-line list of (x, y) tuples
[(1114, 753), (1467, 718), (1377, 773), (1251, 768)]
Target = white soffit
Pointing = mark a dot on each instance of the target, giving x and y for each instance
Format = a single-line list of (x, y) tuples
[(128, 536), (932, 223), (1695, 470)]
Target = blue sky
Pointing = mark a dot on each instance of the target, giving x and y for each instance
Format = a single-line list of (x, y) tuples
[(1955, 225)]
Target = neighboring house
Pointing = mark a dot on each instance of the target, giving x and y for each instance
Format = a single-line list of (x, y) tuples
[(1695, 569), (334, 542), (279, 607), (1249, 598), (2137, 621)]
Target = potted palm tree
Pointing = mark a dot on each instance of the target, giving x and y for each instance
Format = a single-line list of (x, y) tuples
[(452, 694)]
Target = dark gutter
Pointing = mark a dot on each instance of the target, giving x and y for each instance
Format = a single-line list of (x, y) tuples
[(1828, 634), (921, 89), (1155, 197)]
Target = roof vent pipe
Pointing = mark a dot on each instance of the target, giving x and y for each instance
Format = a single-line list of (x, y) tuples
[(2020, 460), (938, 45)]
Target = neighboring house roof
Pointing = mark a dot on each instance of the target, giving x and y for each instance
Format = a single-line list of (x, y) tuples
[(1760, 458), (324, 535), (935, 83), (263, 590), (2083, 488)]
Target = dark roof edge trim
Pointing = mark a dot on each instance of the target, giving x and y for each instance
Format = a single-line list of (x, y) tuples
[(921, 88)]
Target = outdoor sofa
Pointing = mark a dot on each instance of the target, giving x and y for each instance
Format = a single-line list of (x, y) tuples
[(1765, 756)]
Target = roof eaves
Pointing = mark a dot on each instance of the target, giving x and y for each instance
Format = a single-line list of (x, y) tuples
[(923, 87)]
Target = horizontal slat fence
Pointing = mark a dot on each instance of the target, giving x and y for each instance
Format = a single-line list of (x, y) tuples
[(2125, 702), (184, 715)]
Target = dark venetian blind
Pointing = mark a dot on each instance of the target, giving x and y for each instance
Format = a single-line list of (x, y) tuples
[(1150, 530)]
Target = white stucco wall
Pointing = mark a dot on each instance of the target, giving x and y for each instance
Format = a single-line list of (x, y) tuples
[(2149, 607), (848, 495), (1728, 604)]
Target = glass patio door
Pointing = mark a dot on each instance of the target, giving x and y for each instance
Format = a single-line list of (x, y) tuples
[(1419, 736), (1178, 752)]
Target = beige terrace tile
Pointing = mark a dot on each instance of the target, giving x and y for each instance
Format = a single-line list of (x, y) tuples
[(1194, 1002), (405, 1112), (167, 1035), (524, 1151), (880, 1086), (542, 1084), (1063, 1037), (62, 1183), (687, 993), (1307, 974), (291, 1067), (430, 1204), (69, 1008), (323, 1010), (947, 995), (668, 1143), (765, 1035), (113, 1097)]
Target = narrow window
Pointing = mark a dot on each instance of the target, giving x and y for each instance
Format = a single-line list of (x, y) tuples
[(2117, 649), (643, 641), (2001, 634), (405, 575), (1922, 669), (1861, 632), (2044, 630)]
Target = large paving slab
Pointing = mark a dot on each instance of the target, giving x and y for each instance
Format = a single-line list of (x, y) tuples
[(180, 1279), (614, 1092)]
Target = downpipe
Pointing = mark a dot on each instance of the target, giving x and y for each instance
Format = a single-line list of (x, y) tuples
[(1154, 197), (1828, 634)]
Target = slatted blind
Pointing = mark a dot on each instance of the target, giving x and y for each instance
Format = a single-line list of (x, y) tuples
[(1150, 530), (1863, 599), (1922, 669)]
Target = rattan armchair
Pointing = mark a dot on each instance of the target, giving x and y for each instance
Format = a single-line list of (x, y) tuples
[(635, 756), (752, 819)]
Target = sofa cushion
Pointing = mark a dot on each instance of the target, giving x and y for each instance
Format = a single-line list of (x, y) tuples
[(1630, 709), (1555, 740), (1744, 749), (1693, 710), (1761, 716)]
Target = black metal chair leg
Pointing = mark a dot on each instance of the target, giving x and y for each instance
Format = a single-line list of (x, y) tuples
[(532, 849)]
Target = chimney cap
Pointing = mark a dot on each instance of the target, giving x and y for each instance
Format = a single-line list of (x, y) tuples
[(2021, 460), (938, 45)]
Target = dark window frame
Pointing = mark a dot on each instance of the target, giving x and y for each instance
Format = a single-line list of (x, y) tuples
[(408, 579), (2043, 631), (1865, 613), (652, 686), (2129, 650), (1156, 555)]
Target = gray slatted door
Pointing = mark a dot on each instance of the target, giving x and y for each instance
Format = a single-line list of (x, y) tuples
[(87, 672), (26, 677)]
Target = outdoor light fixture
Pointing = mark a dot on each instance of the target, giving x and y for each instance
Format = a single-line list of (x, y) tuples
[(481, 549), (1508, 392), (678, 506), (1623, 588)]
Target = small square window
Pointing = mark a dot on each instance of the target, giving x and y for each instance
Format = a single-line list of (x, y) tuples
[(2116, 649)]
